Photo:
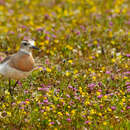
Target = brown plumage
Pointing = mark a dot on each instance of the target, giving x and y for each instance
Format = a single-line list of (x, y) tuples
[(22, 61)]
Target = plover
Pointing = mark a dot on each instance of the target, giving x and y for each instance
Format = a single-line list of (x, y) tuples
[(20, 64)]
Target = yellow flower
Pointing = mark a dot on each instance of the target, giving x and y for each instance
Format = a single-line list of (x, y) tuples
[(60, 114), (110, 34), (56, 41), (48, 108), (90, 57), (123, 99), (98, 93), (113, 60), (73, 112), (113, 42), (109, 109), (100, 114), (44, 113), (41, 43), (69, 47), (92, 111), (95, 42), (94, 78), (117, 10), (40, 69), (46, 41), (75, 71), (105, 97), (67, 73), (104, 123), (70, 61), (48, 69), (103, 68), (68, 106), (27, 102), (87, 103)]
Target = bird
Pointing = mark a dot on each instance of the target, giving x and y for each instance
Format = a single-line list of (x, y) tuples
[(19, 65)]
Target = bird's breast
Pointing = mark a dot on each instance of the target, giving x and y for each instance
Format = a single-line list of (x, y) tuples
[(22, 62)]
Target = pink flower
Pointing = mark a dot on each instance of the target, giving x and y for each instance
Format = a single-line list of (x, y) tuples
[(128, 55), (68, 119), (100, 96), (113, 108), (86, 122), (108, 72), (91, 86), (52, 123)]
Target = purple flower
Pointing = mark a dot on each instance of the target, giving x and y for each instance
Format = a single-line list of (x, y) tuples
[(128, 87), (86, 122), (44, 89), (113, 108), (127, 83), (45, 101), (128, 90), (47, 61), (128, 55), (110, 23), (67, 95), (100, 84), (47, 38), (99, 90), (108, 72), (100, 96), (82, 27), (40, 29), (92, 85), (68, 119), (75, 89), (78, 33), (70, 86), (54, 36), (128, 107), (52, 123), (128, 72), (101, 106)]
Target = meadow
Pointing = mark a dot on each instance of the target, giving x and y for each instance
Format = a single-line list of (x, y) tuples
[(81, 78)]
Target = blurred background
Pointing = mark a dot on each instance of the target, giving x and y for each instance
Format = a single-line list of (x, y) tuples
[(54, 23)]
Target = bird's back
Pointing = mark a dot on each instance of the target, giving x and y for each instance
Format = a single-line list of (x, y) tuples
[(17, 66)]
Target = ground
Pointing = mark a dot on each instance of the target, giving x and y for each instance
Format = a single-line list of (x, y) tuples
[(80, 79)]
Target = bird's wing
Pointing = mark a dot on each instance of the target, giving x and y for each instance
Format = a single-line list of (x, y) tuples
[(6, 59)]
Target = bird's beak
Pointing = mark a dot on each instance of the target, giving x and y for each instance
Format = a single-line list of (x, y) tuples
[(34, 47)]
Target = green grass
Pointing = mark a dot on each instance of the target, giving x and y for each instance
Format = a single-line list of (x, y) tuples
[(81, 76)]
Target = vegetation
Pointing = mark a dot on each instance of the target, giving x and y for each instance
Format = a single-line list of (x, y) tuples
[(81, 75)]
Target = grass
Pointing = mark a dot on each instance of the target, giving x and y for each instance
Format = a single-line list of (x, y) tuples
[(81, 76)]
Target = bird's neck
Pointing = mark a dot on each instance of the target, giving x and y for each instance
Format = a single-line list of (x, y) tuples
[(25, 51)]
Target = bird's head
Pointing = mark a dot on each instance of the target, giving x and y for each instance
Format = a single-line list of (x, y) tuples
[(28, 45)]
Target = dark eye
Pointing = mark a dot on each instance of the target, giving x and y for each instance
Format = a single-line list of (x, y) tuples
[(25, 44)]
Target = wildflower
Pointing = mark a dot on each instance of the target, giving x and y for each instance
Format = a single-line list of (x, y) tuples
[(105, 97), (67, 73), (91, 86), (68, 119), (87, 122), (56, 41), (95, 42), (104, 123), (113, 108), (70, 61), (100, 96), (60, 114), (73, 112), (48, 69)]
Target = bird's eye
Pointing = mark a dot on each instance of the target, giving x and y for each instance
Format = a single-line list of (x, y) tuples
[(25, 44)]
